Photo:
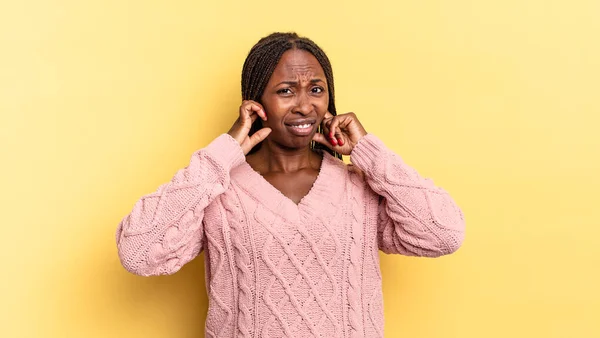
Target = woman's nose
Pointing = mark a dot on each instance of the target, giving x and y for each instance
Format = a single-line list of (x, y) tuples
[(303, 105)]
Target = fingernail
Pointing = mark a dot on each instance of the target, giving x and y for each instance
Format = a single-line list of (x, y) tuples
[(340, 141)]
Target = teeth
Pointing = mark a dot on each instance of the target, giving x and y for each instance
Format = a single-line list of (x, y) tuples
[(303, 126)]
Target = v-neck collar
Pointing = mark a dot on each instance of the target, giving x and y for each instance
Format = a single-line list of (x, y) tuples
[(327, 188)]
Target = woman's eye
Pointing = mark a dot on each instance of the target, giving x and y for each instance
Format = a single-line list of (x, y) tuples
[(317, 90), (284, 91)]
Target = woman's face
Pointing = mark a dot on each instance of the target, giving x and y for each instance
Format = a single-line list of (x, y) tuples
[(295, 99)]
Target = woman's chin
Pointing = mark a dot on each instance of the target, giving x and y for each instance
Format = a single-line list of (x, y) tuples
[(289, 141)]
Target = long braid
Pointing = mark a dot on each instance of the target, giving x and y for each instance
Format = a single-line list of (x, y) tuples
[(260, 65)]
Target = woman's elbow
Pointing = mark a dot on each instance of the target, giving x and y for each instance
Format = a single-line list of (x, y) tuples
[(138, 264), (133, 265), (134, 262), (442, 241), (451, 241)]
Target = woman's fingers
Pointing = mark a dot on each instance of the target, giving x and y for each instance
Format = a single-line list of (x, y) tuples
[(344, 128), (263, 114), (341, 132), (335, 134), (334, 128), (327, 127), (249, 112), (253, 107), (327, 120), (256, 138), (253, 117), (320, 138)]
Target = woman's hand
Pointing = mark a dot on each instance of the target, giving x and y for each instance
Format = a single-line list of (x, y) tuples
[(342, 132), (249, 112)]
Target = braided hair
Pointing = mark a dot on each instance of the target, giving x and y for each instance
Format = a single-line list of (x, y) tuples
[(260, 65)]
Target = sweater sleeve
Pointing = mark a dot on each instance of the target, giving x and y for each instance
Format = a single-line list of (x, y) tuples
[(164, 230), (416, 218)]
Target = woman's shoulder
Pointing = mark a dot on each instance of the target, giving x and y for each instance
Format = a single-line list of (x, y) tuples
[(348, 170)]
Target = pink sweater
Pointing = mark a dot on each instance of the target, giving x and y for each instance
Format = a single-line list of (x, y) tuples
[(277, 269)]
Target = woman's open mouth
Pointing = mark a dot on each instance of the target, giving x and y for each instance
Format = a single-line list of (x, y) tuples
[(301, 128)]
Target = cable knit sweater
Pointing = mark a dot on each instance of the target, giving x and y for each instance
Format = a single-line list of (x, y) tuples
[(279, 269)]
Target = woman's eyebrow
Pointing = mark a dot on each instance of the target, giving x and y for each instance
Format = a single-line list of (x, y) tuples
[(294, 83)]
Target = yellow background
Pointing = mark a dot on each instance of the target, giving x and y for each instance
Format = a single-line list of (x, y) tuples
[(497, 101)]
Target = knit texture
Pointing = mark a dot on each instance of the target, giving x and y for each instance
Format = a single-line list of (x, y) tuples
[(279, 269)]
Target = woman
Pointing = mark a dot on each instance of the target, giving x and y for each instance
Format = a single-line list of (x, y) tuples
[(291, 234)]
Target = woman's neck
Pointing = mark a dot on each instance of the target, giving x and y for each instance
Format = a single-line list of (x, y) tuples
[(273, 158)]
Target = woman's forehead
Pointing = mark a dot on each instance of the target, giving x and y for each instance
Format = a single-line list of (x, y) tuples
[(298, 63)]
